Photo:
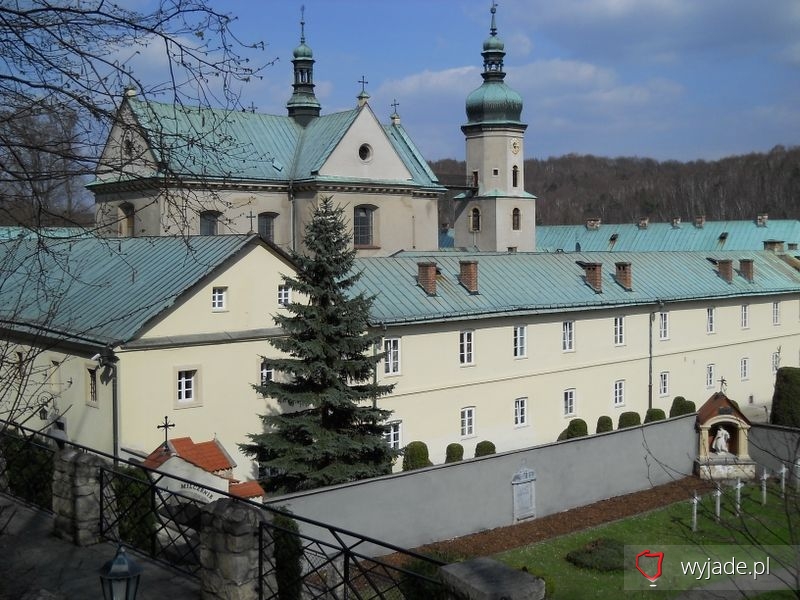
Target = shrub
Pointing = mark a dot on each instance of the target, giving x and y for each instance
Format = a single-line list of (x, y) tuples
[(604, 424), (786, 398), (629, 419), (412, 587), (654, 414), (484, 448), (576, 428), (288, 557), (28, 469), (137, 522), (454, 453), (602, 554), (681, 406), (415, 456)]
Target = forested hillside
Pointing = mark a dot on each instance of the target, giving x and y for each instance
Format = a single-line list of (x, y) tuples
[(572, 188)]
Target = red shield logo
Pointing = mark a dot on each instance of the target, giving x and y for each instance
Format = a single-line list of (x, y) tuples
[(647, 554)]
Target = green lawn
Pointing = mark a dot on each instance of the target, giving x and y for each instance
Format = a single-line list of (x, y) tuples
[(757, 524)]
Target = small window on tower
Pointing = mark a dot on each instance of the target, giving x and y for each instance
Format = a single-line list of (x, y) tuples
[(515, 176), (495, 172), (475, 220), (515, 219)]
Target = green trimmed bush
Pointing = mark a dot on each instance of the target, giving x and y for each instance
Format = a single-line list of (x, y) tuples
[(576, 428), (454, 453), (288, 557), (786, 399), (413, 587), (28, 468), (484, 448), (602, 554), (629, 419), (681, 406), (604, 424), (654, 414), (415, 456), (137, 521)]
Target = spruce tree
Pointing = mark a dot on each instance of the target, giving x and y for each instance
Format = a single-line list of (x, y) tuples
[(330, 430)]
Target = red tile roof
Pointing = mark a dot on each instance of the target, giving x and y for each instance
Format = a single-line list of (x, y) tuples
[(209, 456), (246, 489)]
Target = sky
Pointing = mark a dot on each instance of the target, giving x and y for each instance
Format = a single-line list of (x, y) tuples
[(665, 79)]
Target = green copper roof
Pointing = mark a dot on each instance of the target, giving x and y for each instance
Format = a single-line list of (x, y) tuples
[(246, 146), (630, 237), (531, 283), (102, 291)]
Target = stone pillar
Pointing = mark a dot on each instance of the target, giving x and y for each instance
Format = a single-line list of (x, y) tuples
[(229, 550), (487, 579), (742, 442), (704, 443), (76, 496)]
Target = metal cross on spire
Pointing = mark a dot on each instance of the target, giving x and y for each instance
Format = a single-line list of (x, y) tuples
[(363, 81), (395, 104), (723, 385), (166, 426)]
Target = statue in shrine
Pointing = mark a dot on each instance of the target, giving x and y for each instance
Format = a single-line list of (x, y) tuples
[(720, 443)]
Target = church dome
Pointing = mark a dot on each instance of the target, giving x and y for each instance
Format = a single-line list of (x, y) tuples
[(493, 44), (494, 102), (303, 51)]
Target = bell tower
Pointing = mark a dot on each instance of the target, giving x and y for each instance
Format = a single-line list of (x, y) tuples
[(497, 213), (303, 106)]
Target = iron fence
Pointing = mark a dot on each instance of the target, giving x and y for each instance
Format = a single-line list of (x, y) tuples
[(141, 507)]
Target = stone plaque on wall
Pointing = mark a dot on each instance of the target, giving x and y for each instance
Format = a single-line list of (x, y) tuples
[(524, 494)]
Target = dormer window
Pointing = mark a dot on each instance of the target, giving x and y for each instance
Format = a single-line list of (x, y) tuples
[(209, 222)]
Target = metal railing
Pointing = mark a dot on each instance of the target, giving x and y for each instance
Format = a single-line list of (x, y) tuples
[(141, 507)]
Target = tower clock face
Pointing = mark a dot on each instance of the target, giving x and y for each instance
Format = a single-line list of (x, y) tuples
[(515, 145)]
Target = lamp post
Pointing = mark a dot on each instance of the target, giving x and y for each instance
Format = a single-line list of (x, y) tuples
[(119, 577)]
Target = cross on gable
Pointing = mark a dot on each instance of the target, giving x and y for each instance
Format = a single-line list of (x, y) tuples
[(166, 426), (251, 216), (363, 81)]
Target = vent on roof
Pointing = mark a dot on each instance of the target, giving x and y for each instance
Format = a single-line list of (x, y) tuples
[(676, 222), (773, 245), (761, 220), (644, 222), (593, 223), (700, 221)]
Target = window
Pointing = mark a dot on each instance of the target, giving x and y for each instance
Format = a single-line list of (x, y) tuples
[(569, 402), (710, 376), (619, 392), (776, 313), (365, 152), (219, 296), (91, 386), (515, 176), (475, 179), (187, 386), (515, 218), (520, 412), (475, 220), (465, 348), (391, 434), (663, 326), (663, 383), (520, 346), (209, 222), (619, 331), (265, 373), (568, 336), (744, 319), (284, 295), (744, 369), (363, 226), (709, 320), (776, 362), (468, 421), (127, 221), (391, 360), (266, 225)]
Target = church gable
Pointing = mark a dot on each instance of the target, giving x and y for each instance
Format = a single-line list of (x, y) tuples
[(127, 153), (365, 152)]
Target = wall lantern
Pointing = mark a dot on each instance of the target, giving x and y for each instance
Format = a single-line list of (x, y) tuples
[(119, 577)]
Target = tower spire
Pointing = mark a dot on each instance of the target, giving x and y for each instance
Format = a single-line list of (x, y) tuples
[(303, 106)]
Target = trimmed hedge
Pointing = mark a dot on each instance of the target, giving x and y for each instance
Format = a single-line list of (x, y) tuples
[(602, 554), (786, 399), (576, 428), (454, 453), (137, 521), (484, 448), (604, 424), (629, 419), (654, 414), (681, 406), (288, 557), (415, 456)]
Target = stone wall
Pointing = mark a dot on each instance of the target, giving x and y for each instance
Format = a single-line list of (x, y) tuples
[(76, 496)]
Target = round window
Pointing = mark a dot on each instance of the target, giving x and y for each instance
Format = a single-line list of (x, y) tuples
[(365, 152)]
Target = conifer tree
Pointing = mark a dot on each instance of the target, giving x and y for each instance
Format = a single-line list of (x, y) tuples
[(330, 430)]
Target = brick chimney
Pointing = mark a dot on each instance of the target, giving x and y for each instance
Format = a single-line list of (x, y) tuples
[(624, 275), (773, 245), (593, 223), (426, 277), (725, 269), (699, 221), (746, 269), (594, 276), (676, 222), (468, 275)]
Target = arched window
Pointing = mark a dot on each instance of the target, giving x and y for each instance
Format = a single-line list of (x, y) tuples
[(126, 225), (515, 219), (266, 225), (515, 176), (363, 226), (209, 222), (475, 220)]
